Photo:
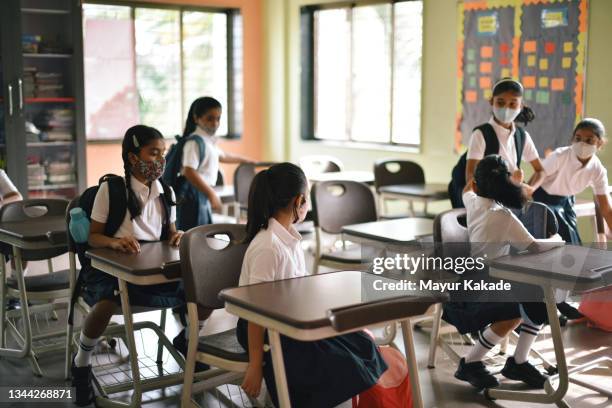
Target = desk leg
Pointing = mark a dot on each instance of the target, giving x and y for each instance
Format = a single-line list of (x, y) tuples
[(282, 389), (26, 350), (2, 302), (129, 335), (413, 369), (556, 396)]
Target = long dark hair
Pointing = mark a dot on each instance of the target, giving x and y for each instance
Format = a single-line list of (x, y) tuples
[(135, 139), (198, 108), (510, 85), (493, 181), (272, 190)]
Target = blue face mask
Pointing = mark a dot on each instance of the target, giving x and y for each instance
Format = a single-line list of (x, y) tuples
[(505, 115)]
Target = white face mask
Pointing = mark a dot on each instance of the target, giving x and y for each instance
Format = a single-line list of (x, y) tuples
[(584, 150), (505, 115)]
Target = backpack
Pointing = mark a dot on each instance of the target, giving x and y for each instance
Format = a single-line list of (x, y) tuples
[(393, 388), (117, 208), (458, 181), (174, 162)]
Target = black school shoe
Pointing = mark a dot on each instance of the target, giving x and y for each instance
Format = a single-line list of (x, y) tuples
[(82, 378), (524, 372), (476, 374), (569, 311), (180, 344)]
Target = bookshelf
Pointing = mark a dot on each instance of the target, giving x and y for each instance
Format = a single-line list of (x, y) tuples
[(42, 127)]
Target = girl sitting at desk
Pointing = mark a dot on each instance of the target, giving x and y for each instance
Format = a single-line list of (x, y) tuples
[(150, 216), (492, 230), (320, 373)]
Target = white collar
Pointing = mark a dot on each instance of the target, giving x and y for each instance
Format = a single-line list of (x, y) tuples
[(145, 193), (201, 132), (289, 237), (500, 129)]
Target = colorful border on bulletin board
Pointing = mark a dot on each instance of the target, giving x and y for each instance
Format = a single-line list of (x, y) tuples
[(540, 42)]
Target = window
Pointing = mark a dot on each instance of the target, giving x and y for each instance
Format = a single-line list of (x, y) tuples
[(147, 64), (361, 72)]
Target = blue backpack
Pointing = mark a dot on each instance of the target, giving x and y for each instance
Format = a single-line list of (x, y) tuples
[(174, 162)]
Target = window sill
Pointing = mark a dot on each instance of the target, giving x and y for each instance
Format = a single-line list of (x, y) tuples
[(366, 146)]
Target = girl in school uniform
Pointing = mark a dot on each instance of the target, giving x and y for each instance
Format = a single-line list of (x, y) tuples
[(569, 171), (145, 220), (201, 173), (508, 107), (492, 230), (321, 373)]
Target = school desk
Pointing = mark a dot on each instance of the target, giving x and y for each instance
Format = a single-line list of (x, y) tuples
[(40, 233), (336, 304), (400, 231), (366, 177), (569, 267), (425, 193), (156, 263)]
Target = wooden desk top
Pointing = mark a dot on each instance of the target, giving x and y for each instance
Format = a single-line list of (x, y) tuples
[(397, 231), (438, 191), (584, 267), (52, 228), (312, 302), (153, 258)]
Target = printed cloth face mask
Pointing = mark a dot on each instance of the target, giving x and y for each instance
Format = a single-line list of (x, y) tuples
[(150, 170)]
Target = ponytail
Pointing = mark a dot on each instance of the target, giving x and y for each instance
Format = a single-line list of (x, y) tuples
[(198, 108), (272, 190), (493, 181), (527, 115)]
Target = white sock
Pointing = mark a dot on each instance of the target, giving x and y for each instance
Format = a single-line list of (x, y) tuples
[(487, 339), (529, 333), (86, 348), (200, 325)]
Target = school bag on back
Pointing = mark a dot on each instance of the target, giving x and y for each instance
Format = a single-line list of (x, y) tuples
[(117, 208), (174, 162), (458, 181)]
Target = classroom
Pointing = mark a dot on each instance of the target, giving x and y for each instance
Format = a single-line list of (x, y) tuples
[(307, 203)]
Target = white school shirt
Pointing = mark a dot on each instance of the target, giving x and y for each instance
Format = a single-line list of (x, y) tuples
[(210, 165), (492, 228), (148, 225), (507, 150), (275, 253), (566, 176), (6, 185)]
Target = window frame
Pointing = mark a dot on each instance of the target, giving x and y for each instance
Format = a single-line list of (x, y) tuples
[(231, 13), (307, 74)]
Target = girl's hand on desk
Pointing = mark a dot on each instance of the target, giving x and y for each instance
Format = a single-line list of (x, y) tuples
[(252, 380), (175, 238), (128, 245)]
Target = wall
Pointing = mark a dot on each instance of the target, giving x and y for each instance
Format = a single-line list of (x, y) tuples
[(439, 87), (106, 158)]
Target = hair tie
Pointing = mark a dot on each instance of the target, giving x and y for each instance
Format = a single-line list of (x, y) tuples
[(135, 140)]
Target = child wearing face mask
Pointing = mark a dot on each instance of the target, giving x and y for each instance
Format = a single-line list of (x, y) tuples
[(571, 169), (508, 107), (150, 216), (321, 373), (195, 204)]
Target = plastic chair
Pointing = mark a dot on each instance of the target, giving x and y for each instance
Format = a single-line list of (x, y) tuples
[(317, 164), (206, 271), (43, 289), (390, 172), (243, 176), (334, 205)]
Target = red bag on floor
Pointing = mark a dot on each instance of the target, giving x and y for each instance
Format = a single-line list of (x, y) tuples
[(596, 306), (393, 387)]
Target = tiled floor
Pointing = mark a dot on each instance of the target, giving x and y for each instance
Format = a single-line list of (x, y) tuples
[(439, 387)]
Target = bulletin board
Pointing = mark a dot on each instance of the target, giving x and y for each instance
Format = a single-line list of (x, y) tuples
[(542, 43)]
